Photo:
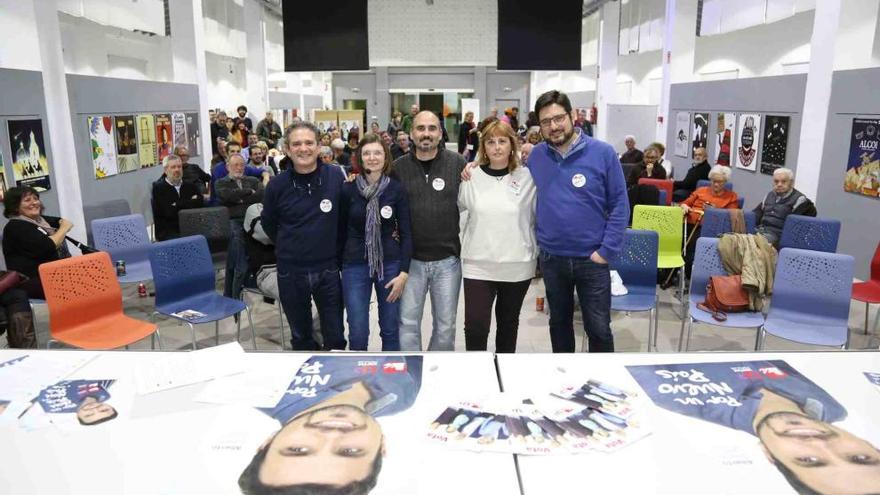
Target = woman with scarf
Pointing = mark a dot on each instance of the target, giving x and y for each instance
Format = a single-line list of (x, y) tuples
[(378, 246)]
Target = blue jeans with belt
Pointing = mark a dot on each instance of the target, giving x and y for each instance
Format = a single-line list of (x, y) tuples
[(563, 275), (357, 287), (296, 288)]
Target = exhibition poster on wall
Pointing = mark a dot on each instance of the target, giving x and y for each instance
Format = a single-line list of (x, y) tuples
[(147, 140), (193, 134), (163, 136), (747, 145), (2, 179), (863, 164), (326, 120), (126, 144), (724, 138), (102, 145), (351, 121), (178, 124), (682, 134), (701, 131), (30, 166), (775, 143)]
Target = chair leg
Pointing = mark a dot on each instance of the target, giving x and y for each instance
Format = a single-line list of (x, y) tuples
[(216, 332), (867, 311), (281, 323), (251, 323), (759, 340), (687, 343), (681, 333), (158, 337), (192, 330), (656, 320), (651, 329)]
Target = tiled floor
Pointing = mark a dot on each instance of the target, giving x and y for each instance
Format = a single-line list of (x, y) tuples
[(630, 331)]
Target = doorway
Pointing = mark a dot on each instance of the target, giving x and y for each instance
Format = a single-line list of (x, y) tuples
[(355, 105), (446, 103)]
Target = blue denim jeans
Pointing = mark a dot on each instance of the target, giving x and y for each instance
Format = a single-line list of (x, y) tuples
[(296, 289), (562, 275), (236, 261), (357, 287), (443, 279)]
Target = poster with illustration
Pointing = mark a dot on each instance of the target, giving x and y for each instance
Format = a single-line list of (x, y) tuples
[(863, 164), (725, 133), (193, 134), (178, 124), (351, 122), (682, 134), (764, 407), (102, 145), (126, 144), (146, 140), (775, 143), (700, 131), (30, 166), (163, 136), (747, 144)]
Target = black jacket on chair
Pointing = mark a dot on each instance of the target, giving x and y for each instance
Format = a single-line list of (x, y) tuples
[(167, 202)]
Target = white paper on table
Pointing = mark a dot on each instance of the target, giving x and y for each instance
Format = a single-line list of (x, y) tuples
[(180, 369), (261, 387), (22, 378)]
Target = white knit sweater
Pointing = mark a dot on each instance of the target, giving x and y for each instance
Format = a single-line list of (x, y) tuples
[(498, 237)]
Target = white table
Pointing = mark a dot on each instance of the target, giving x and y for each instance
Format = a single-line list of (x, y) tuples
[(167, 443), (683, 454)]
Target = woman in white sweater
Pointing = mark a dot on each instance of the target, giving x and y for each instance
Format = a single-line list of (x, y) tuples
[(498, 250)]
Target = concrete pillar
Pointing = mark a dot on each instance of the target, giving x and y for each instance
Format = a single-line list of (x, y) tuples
[(480, 90), (679, 40), (256, 76), (817, 97), (383, 98), (606, 88), (58, 117)]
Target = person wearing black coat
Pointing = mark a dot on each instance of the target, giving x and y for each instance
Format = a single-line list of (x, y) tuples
[(170, 195), (699, 171)]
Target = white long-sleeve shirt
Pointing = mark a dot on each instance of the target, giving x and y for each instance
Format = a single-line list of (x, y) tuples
[(498, 240)]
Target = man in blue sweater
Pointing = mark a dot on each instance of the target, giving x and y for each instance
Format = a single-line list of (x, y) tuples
[(301, 216), (582, 212)]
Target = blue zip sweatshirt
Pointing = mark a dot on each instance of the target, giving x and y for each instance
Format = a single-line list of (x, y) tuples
[(582, 202), (301, 216)]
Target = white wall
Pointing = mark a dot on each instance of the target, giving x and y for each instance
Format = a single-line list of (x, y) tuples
[(20, 48), (145, 15), (226, 81), (858, 39), (224, 27), (565, 81), (644, 72)]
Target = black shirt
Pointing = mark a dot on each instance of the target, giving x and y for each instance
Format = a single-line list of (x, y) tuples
[(493, 172), (26, 246)]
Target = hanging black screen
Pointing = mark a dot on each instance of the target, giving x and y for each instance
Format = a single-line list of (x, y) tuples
[(321, 36), (539, 35)]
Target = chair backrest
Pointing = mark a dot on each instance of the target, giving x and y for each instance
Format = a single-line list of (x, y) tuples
[(211, 222), (706, 183), (105, 209), (660, 184), (665, 220), (716, 221), (181, 268), (751, 222), (813, 233), (707, 263), (637, 262), (124, 237), (815, 284), (80, 289), (662, 198)]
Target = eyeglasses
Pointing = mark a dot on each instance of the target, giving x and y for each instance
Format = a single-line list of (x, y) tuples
[(556, 119)]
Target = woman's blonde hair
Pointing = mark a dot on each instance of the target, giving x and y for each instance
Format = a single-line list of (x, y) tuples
[(499, 128)]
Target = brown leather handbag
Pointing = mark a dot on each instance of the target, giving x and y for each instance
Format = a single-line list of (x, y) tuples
[(725, 294)]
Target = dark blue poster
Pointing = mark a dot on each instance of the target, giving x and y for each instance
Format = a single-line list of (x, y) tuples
[(863, 163)]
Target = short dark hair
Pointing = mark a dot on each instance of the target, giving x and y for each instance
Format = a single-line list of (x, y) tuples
[(241, 107), (375, 138), (232, 143), (12, 200), (798, 484), (302, 125), (250, 484), (551, 98)]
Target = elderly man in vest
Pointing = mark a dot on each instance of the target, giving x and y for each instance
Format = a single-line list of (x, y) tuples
[(781, 202)]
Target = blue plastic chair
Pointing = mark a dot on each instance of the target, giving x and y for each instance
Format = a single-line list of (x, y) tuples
[(184, 277), (105, 209), (815, 234), (706, 183), (637, 267), (661, 200), (125, 238), (707, 263), (811, 297), (716, 221)]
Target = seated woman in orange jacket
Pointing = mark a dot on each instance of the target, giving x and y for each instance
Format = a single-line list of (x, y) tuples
[(712, 196)]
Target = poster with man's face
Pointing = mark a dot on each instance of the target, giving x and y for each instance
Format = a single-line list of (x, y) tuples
[(775, 143), (748, 133), (863, 163)]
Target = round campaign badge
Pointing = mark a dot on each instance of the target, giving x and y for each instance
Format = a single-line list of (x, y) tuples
[(326, 205), (578, 180), (438, 184), (386, 212)]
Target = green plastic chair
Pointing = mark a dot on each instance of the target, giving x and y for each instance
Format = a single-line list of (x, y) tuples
[(668, 222)]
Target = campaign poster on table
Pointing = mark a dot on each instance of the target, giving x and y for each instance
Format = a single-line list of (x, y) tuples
[(863, 164), (103, 146), (126, 144), (682, 134), (178, 124), (725, 135), (747, 134), (765, 420), (30, 166), (700, 131), (163, 136), (775, 143), (147, 140), (874, 378), (193, 134)]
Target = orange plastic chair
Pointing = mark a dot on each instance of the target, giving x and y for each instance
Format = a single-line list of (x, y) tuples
[(659, 184), (85, 304)]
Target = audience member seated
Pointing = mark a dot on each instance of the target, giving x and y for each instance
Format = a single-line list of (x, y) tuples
[(236, 191), (648, 169), (220, 155), (402, 147), (242, 117), (219, 171), (171, 194), (31, 239), (698, 171), (325, 156), (666, 164), (238, 133), (218, 130), (258, 160), (782, 201), (269, 130), (712, 196), (583, 122), (632, 154), (340, 156), (192, 172), (533, 135), (252, 139)]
